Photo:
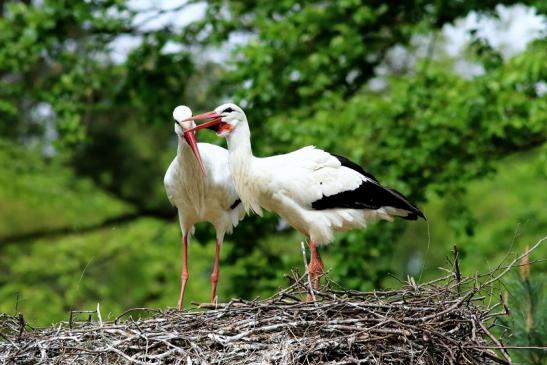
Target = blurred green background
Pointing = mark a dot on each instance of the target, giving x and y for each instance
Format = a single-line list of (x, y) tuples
[(445, 101)]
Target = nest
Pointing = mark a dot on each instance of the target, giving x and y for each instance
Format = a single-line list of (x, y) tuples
[(441, 322)]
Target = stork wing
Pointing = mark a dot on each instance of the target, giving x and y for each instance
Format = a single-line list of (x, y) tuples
[(319, 180), (169, 182)]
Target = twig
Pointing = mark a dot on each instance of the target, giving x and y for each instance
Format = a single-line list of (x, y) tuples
[(496, 341), (134, 310), (457, 267), (512, 264)]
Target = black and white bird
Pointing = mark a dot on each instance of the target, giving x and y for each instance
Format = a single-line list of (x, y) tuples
[(316, 192), (199, 184)]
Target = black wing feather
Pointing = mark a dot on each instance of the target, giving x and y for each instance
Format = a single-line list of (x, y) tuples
[(369, 195), (235, 204), (352, 165)]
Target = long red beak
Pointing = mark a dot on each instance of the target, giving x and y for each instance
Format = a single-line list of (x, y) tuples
[(190, 134), (214, 116), (190, 137), (203, 116)]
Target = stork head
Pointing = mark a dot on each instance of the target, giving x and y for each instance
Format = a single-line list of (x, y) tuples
[(183, 122), (223, 120), (181, 113)]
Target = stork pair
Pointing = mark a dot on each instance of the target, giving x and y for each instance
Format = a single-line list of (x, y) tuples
[(316, 192)]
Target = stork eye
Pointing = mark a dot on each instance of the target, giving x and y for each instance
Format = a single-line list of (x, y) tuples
[(176, 121), (228, 110)]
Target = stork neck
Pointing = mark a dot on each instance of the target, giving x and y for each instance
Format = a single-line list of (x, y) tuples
[(241, 167), (185, 155), (182, 147), (239, 142), (192, 183)]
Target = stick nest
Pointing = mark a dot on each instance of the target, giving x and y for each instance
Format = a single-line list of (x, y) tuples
[(441, 322)]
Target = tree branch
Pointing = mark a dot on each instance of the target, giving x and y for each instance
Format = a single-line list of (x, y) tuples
[(68, 230)]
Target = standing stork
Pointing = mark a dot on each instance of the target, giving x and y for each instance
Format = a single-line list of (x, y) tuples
[(316, 192), (201, 187)]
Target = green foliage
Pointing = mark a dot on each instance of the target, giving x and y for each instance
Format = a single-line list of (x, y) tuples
[(120, 267), (506, 219), (304, 52), (527, 321), (39, 196), (49, 50)]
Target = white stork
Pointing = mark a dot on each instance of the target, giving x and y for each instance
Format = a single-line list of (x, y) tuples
[(316, 192), (202, 190)]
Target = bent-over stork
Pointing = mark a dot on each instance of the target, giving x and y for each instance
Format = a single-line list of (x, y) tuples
[(202, 190), (316, 192)]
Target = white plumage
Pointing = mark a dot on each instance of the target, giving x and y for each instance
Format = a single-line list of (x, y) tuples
[(316, 192), (199, 197)]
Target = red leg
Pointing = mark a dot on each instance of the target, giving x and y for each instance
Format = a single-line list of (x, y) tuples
[(215, 273), (315, 267), (184, 276)]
